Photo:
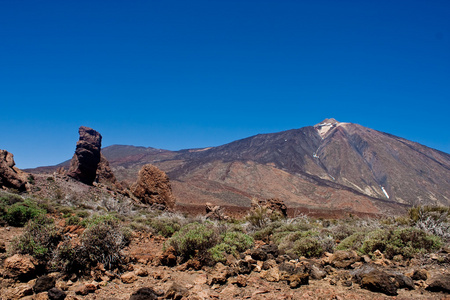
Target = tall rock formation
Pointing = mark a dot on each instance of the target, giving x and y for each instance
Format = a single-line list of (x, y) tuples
[(10, 176), (153, 187), (83, 166)]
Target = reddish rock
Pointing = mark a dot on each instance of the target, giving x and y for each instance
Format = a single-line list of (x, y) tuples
[(168, 257), (10, 176), (218, 275), (153, 187), (343, 259), (215, 212), (104, 173), (83, 166), (86, 288), (128, 277), (19, 266)]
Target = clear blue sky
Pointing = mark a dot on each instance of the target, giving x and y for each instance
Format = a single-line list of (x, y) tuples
[(186, 74)]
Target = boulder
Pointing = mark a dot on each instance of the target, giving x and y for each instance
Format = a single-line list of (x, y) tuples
[(379, 281), (22, 267), (153, 188), (297, 280), (83, 166), (56, 294), (10, 176), (85, 288), (343, 259), (440, 284), (128, 277), (218, 275), (420, 274), (168, 257), (144, 293), (176, 291), (272, 274), (43, 284)]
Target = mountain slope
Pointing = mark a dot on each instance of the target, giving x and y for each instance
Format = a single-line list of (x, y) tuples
[(331, 165)]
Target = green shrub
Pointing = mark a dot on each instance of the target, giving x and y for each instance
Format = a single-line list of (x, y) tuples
[(308, 247), (352, 242), (194, 239), (165, 227), (259, 217), (20, 213), (73, 220), (404, 241), (39, 239)]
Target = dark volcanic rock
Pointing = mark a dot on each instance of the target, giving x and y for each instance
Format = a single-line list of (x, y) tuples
[(43, 284), (10, 176), (83, 166), (144, 293), (440, 284), (153, 187), (379, 281), (56, 294)]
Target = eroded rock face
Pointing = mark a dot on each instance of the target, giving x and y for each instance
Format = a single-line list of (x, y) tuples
[(10, 176), (153, 188), (83, 166), (19, 266), (104, 173)]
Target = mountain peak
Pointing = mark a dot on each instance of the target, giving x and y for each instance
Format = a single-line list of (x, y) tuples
[(328, 121)]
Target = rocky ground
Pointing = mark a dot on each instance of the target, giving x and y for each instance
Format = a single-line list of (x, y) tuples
[(258, 274)]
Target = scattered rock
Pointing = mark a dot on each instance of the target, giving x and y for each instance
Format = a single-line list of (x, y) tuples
[(176, 291), (270, 249), (420, 274), (244, 267), (343, 259), (141, 272), (128, 277), (84, 163), (258, 254), (153, 187), (316, 273), (297, 280), (218, 275), (403, 282), (379, 281), (22, 267), (240, 281), (56, 294), (168, 257), (440, 284), (85, 288), (144, 293), (43, 284), (272, 274), (10, 176)]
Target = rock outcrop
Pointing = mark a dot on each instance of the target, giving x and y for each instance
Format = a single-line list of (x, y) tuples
[(273, 205), (83, 166), (104, 173), (10, 176), (153, 188)]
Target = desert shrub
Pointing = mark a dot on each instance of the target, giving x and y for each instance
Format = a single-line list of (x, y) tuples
[(231, 243), (39, 239), (404, 241), (82, 214), (307, 246), (73, 220), (432, 219), (259, 217), (165, 226), (20, 213), (194, 239), (352, 242), (265, 233)]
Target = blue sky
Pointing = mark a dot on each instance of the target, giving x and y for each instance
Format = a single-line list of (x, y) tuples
[(186, 74)]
